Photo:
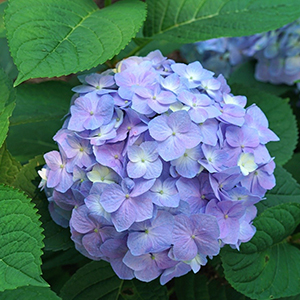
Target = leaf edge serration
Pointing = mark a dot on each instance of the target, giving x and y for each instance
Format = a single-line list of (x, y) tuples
[(36, 217), (133, 31)]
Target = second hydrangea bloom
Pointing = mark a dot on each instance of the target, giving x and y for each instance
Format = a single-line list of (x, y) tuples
[(159, 166), (277, 54)]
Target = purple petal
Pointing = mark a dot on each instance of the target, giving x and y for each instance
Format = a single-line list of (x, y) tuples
[(80, 221), (159, 129), (112, 197), (92, 242), (141, 186), (143, 208), (125, 216)]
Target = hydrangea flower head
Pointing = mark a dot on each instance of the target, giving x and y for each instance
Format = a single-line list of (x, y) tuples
[(159, 165), (276, 53)]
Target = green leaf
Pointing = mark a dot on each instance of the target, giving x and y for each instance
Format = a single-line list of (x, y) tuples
[(40, 102), (291, 298), (192, 286), (38, 116), (28, 173), (287, 190), (166, 47), (142, 47), (97, 281), (73, 35), (9, 167), (245, 75), (62, 258), (20, 241), (29, 292), (137, 290), (7, 104), (35, 138), (188, 21), (292, 166), (197, 286), (281, 120), (267, 267), (2, 28), (58, 267), (6, 61), (56, 237)]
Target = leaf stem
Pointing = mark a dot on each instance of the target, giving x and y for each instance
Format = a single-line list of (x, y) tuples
[(171, 291), (294, 239)]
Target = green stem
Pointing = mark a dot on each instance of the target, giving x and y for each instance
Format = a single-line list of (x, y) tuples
[(171, 291), (109, 64), (107, 3)]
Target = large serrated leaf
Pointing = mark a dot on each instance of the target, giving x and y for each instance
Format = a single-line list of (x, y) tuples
[(97, 281), (192, 287), (7, 104), (29, 292), (73, 35), (281, 120), (138, 290), (41, 102), (20, 241), (188, 21), (62, 258), (28, 173), (9, 167), (6, 61), (287, 190), (292, 166), (38, 116), (2, 28), (197, 286), (267, 267)]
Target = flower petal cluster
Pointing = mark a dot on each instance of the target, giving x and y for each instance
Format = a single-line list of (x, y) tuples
[(277, 54), (154, 172)]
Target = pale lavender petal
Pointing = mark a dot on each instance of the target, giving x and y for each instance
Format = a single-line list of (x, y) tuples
[(178, 270), (171, 148), (141, 186), (135, 153), (53, 160), (124, 216), (136, 170), (80, 221), (112, 197), (154, 169), (92, 242), (159, 129), (143, 208)]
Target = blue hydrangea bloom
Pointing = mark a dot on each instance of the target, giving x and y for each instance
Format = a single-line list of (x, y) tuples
[(276, 54), (159, 166)]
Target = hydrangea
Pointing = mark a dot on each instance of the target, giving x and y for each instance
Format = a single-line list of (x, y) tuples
[(224, 55), (277, 54), (159, 166)]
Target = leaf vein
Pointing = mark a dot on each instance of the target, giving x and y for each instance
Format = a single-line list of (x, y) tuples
[(60, 42)]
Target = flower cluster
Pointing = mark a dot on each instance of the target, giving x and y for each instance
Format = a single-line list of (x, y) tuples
[(277, 54), (224, 55), (159, 166)]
